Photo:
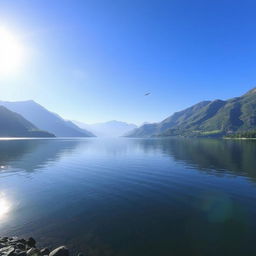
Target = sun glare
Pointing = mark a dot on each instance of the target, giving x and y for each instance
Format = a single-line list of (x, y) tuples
[(4, 206), (11, 53)]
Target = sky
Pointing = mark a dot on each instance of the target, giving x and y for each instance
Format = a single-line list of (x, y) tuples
[(94, 60)]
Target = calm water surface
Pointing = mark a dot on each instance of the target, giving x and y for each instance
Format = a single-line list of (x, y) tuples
[(131, 197)]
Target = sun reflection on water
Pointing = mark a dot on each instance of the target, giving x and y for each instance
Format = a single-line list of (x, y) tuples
[(5, 206)]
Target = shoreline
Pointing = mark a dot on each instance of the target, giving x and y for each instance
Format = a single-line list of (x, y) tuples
[(15, 246), (227, 138)]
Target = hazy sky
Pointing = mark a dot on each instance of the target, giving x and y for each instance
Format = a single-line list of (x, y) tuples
[(94, 60)]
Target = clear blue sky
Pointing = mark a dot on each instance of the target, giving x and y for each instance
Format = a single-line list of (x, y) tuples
[(94, 60)]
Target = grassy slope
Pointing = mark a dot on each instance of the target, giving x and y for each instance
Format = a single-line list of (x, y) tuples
[(208, 118)]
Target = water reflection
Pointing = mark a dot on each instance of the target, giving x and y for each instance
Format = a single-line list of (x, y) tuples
[(5, 206), (131, 196), (209, 155), (30, 155)]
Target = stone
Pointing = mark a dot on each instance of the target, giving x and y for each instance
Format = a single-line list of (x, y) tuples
[(7, 251), (15, 246), (23, 241), (60, 251), (20, 246), (31, 242), (33, 252), (45, 251), (14, 238), (4, 239), (2, 245), (22, 254)]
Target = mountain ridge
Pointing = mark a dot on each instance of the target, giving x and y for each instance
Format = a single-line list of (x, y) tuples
[(15, 125), (45, 119), (112, 128), (207, 118)]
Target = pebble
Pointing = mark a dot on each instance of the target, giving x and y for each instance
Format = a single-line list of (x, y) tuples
[(45, 251), (60, 251), (33, 252), (31, 242), (14, 246)]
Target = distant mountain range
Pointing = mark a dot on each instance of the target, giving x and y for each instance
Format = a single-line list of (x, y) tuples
[(108, 129), (208, 118), (45, 120), (14, 125)]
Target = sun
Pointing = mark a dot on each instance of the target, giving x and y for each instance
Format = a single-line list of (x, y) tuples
[(11, 53)]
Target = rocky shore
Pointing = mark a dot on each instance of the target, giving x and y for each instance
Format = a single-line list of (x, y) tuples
[(14, 246)]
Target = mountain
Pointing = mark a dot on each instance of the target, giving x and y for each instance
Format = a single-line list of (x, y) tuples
[(207, 118), (14, 125), (46, 120), (108, 129)]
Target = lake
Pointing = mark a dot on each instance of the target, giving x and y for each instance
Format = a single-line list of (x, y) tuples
[(131, 197)]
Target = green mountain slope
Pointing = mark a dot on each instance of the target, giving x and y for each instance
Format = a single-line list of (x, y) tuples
[(207, 118), (14, 125)]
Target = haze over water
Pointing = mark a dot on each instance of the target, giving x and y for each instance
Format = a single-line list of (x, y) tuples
[(131, 196)]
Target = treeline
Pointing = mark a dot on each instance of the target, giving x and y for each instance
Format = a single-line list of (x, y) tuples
[(245, 134)]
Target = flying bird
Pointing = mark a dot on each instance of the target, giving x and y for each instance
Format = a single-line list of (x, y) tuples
[(148, 93)]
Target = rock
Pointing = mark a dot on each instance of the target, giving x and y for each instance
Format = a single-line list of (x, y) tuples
[(23, 241), (14, 238), (45, 251), (4, 239), (15, 246), (60, 251), (2, 245), (7, 251), (22, 254), (33, 252), (20, 246), (31, 242)]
